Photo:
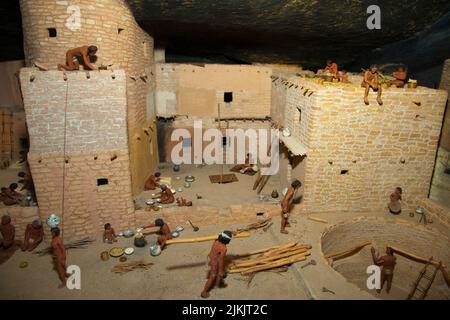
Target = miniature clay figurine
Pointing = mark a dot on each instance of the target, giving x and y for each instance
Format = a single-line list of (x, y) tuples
[(82, 55), (332, 68), (387, 262), (6, 198), (372, 80), (286, 204), (395, 206), (343, 77), (152, 181), (8, 232), (164, 232), (400, 77), (182, 202), (109, 235), (166, 195), (216, 262), (59, 256), (34, 234)]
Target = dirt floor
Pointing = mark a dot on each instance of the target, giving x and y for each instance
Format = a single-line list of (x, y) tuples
[(178, 273), (213, 194)]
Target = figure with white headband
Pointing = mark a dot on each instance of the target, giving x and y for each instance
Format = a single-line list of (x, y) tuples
[(216, 261)]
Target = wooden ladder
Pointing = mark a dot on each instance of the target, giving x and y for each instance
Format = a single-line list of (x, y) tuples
[(420, 292)]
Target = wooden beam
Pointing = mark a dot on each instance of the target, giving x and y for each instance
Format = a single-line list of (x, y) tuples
[(207, 238), (348, 250)]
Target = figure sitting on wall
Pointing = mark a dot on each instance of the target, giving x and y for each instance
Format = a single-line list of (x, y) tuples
[(8, 244), (164, 232), (400, 77), (387, 262), (166, 195), (395, 206), (182, 202), (372, 80), (59, 256), (152, 182), (332, 68), (343, 77), (216, 259), (6, 198), (286, 205), (34, 234), (82, 55), (109, 235)]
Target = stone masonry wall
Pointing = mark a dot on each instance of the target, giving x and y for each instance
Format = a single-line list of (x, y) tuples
[(83, 118), (183, 89), (381, 147), (110, 25), (445, 85)]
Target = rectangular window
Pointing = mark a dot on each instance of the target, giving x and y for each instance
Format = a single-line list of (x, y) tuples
[(102, 182), (52, 32), (228, 96)]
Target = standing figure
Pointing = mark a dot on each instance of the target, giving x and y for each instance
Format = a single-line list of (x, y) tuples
[(372, 80), (216, 261), (164, 232), (152, 181), (59, 256), (109, 235), (395, 206), (82, 55), (34, 234), (400, 77), (286, 204), (387, 262), (8, 232), (166, 195)]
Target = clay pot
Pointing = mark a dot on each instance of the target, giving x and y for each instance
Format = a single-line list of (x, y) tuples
[(176, 167), (123, 259), (140, 242), (104, 255), (274, 194)]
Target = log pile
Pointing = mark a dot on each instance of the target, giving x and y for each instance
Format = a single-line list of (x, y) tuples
[(257, 225), (273, 259), (77, 244), (130, 266)]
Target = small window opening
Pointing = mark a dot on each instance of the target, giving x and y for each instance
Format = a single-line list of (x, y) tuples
[(344, 171), (52, 32), (228, 96), (299, 115), (119, 31), (102, 182)]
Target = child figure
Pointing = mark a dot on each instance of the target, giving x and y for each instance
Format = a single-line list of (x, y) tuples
[(109, 234)]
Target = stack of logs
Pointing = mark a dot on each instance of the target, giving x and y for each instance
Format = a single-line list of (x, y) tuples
[(269, 258)]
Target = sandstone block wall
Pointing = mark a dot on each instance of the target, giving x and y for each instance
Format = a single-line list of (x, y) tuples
[(78, 133), (110, 25), (358, 154), (197, 91)]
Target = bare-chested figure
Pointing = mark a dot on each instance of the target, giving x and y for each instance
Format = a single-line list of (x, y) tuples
[(82, 55), (6, 198), (152, 181), (166, 195), (109, 235), (332, 68), (387, 262), (182, 202), (8, 232), (372, 80), (286, 205), (34, 234), (164, 232), (400, 77), (395, 206), (216, 261), (59, 256)]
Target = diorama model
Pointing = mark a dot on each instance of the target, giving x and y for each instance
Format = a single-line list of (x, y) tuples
[(136, 163)]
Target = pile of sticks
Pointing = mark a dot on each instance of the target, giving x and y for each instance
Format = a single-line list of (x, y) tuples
[(77, 244), (266, 223), (130, 266), (273, 258)]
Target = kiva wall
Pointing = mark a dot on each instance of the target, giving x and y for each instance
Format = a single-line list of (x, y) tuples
[(110, 25), (78, 134), (198, 91), (358, 154)]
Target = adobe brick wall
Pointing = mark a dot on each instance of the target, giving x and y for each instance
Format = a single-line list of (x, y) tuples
[(131, 49), (436, 211), (445, 85), (85, 120), (183, 89), (382, 146)]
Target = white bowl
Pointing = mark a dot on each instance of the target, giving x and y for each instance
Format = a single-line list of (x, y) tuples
[(129, 251), (179, 229)]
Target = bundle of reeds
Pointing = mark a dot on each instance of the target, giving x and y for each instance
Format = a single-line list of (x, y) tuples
[(257, 225), (130, 266), (76, 244), (272, 258)]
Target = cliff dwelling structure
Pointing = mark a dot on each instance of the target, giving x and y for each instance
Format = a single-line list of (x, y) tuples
[(148, 136)]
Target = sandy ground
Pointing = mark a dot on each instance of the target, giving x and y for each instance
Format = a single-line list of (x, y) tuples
[(178, 273), (214, 194)]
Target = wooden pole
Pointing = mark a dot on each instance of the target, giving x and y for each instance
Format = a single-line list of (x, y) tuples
[(348, 250), (207, 238)]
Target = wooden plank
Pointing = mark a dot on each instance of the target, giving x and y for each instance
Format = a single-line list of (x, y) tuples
[(206, 238), (413, 256), (348, 250), (226, 178)]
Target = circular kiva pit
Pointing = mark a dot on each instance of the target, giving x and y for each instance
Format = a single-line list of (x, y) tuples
[(411, 238)]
